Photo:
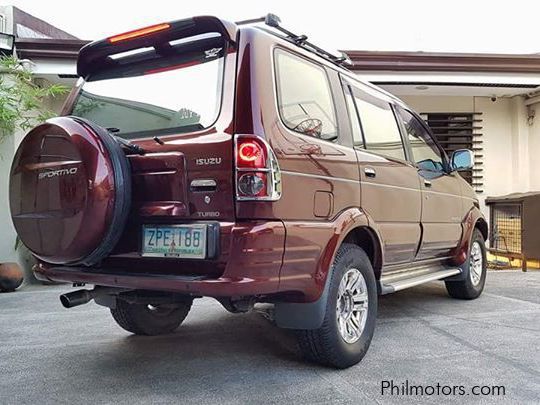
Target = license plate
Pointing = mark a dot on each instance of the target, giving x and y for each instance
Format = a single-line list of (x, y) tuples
[(182, 241)]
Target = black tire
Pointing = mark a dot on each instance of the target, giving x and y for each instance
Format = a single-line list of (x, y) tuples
[(466, 289), (143, 319), (326, 345)]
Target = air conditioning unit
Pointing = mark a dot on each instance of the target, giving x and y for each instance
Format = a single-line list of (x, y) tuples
[(7, 43)]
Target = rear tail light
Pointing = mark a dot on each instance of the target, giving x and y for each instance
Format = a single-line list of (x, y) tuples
[(252, 184), (258, 177), (251, 153)]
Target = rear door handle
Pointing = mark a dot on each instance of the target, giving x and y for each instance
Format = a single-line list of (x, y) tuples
[(203, 185), (370, 172), (427, 183)]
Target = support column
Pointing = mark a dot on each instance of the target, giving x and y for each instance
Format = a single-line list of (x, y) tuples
[(520, 146)]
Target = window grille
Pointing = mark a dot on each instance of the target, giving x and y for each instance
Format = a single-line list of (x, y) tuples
[(460, 131)]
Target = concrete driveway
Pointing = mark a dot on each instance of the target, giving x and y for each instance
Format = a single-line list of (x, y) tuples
[(52, 355)]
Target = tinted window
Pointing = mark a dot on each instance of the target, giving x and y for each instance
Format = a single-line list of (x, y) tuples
[(379, 125), (304, 98), (155, 100), (425, 152)]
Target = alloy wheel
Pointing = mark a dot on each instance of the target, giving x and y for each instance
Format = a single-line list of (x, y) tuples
[(352, 306), (476, 263)]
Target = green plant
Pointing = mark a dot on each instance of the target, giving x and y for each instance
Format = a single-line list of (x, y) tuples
[(22, 98)]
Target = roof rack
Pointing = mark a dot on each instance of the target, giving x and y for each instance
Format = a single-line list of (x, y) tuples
[(273, 21)]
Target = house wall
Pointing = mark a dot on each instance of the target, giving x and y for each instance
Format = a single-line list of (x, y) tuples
[(7, 151), (7, 234), (7, 13)]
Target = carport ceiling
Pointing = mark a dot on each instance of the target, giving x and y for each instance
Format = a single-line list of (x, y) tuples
[(449, 74), (456, 89)]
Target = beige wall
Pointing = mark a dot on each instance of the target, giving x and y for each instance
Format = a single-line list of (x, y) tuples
[(7, 233), (534, 150), (7, 151)]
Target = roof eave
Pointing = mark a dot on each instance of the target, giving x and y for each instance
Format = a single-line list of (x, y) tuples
[(442, 62), (36, 48)]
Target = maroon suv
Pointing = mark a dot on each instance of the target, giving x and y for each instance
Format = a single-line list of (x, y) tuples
[(241, 162)]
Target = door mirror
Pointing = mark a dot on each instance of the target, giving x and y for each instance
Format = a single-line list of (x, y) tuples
[(462, 159)]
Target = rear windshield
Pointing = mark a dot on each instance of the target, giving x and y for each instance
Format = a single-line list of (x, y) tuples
[(160, 92)]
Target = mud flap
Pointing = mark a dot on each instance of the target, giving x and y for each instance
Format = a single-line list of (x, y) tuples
[(303, 315)]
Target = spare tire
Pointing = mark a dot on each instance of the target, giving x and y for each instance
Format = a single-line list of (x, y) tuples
[(70, 191)]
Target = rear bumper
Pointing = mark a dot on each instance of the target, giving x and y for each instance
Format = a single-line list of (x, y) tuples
[(194, 285), (252, 264)]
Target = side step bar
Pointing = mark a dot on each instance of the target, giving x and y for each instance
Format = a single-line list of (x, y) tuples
[(392, 283)]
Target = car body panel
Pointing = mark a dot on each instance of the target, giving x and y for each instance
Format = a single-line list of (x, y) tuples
[(249, 264), (442, 214), (393, 200), (279, 251)]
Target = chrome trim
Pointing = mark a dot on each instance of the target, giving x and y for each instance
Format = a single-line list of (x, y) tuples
[(352, 306), (417, 189), (317, 176), (369, 183), (370, 171), (405, 267), (203, 183), (248, 169), (476, 263), (414, 281)]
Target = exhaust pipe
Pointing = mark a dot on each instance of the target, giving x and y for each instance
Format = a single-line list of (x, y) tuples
[(75, 298), (80, 297)]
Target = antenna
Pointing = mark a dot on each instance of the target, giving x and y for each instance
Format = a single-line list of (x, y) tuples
[(274, 21)]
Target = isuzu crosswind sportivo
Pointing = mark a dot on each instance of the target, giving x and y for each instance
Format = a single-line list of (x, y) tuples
[(202, 158)]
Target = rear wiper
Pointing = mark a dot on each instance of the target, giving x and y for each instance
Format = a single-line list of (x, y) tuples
[(130, 146)]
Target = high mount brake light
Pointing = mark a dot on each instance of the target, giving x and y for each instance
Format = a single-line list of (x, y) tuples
[(139, 33), (258, 177)]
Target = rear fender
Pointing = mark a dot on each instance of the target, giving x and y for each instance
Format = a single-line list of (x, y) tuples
[(474, 219), (310, 315)]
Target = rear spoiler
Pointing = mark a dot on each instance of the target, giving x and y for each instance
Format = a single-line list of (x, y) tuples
[(97, 54)]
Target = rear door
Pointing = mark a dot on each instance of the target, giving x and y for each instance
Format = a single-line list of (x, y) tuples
[(390, 185), (441, 191), (170, 92), (318, 164)]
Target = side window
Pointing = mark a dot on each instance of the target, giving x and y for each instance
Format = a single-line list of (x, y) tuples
[(304, 97), (425, 152), (379, 126)]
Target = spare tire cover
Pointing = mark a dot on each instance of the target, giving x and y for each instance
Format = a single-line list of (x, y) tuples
[(70, 191)]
